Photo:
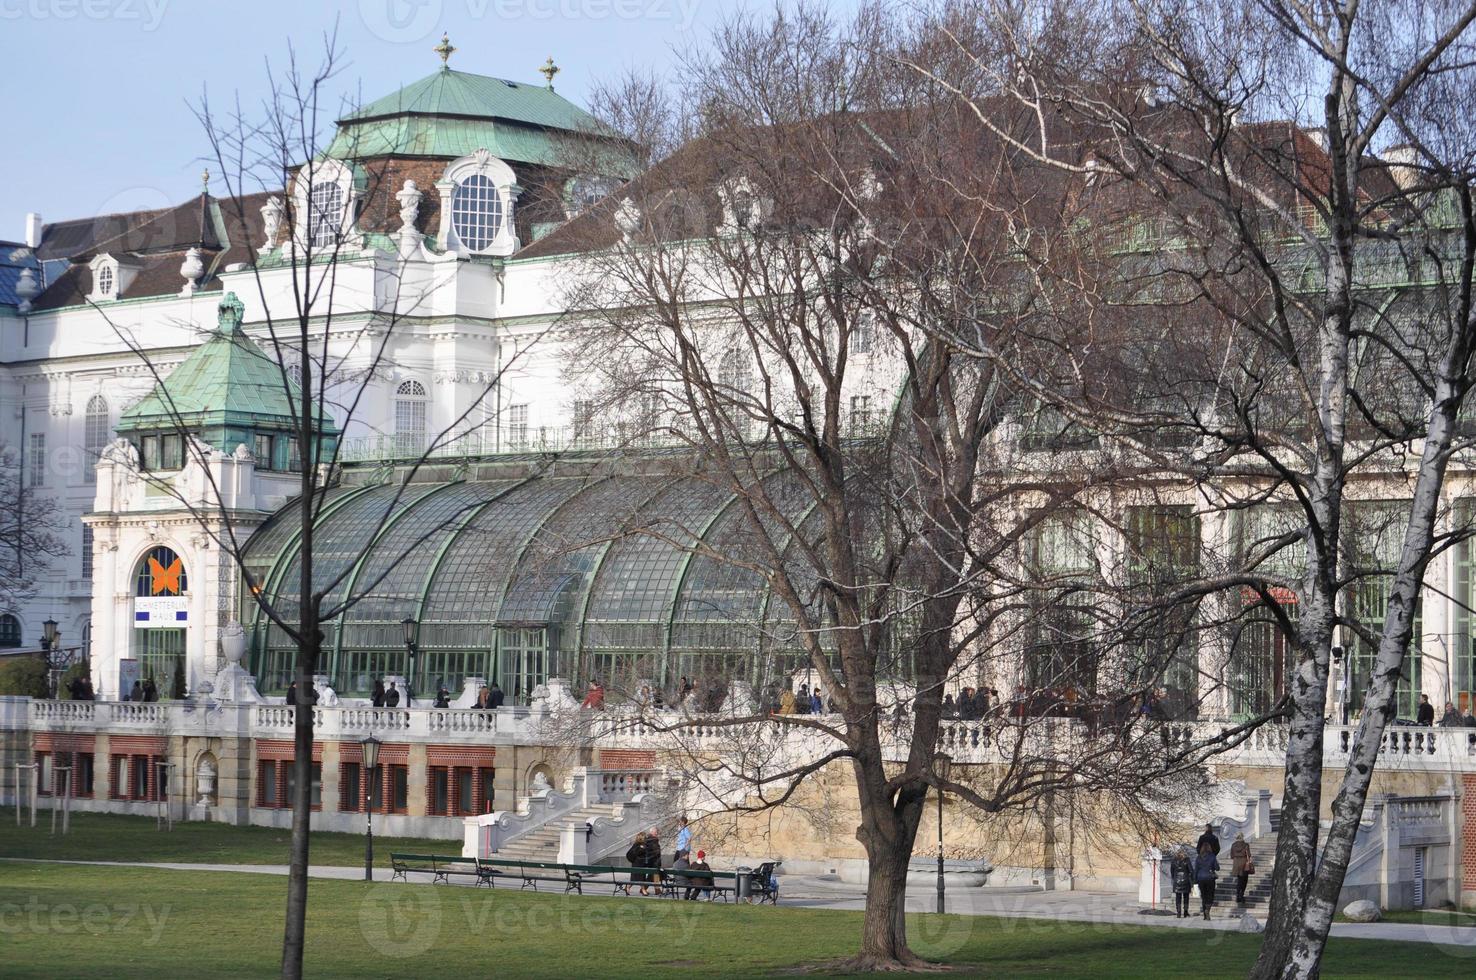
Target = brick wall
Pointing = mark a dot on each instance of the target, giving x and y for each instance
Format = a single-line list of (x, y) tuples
[(1468, 832), (627, 759)]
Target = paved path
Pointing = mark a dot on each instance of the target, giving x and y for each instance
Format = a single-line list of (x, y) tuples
[(828, 892)]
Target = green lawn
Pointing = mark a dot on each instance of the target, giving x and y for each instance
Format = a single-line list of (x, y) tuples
[(148, 923), (109, 837)]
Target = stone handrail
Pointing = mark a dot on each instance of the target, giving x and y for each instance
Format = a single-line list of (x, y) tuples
[(209, 717)]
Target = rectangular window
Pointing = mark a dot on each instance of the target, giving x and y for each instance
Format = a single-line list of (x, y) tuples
[(136, 777), (350, 790), (517, 426), (439, 804), (37, 461), (399, 788), (583, 421), (54, 782), (149, 452), (860, 413), (860, 339), (262, 449), (484, 805), (268, 792), (86, 552), (465, 792), (294, 455), (171, 452)]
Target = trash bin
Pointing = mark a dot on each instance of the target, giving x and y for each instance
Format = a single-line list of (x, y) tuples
[(743, 884)]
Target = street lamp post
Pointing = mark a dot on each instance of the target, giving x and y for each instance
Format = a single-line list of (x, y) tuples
[(48, 645), (942, 765), (411, 648), (370, 746)]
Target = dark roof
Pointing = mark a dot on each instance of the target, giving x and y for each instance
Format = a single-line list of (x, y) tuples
[(15, 257), (226, 230)]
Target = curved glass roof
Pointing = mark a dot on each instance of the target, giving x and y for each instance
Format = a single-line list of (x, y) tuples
[(525, 577)]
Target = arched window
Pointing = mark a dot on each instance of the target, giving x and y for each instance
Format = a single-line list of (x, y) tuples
[(735, 382), (410, 402), (476, 212), (161, 572), (477, 194), (10, 631), (325, 213), (95, 436), (105, 280)]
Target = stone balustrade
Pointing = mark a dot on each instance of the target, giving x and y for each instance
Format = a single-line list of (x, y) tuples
[(973, 741)]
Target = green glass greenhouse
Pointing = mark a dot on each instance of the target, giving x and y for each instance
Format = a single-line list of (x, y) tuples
[(522, 578)]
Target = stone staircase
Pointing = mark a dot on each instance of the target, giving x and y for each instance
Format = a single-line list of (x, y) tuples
[(1258, 889), (542, 844)]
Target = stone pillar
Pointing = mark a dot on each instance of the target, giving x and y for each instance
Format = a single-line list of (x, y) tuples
[(417, 781), (330, 763)]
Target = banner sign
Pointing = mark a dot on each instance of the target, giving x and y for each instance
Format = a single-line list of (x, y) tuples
[(160, 612), (127, 677)]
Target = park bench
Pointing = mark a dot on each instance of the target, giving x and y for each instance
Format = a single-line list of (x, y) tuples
[(715, 884), (441, 866), (532, 872)]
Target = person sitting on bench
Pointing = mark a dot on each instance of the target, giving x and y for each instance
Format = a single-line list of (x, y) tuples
[(699, 883)]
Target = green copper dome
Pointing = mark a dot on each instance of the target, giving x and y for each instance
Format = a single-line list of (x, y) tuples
[(453, 113), (224, 392)]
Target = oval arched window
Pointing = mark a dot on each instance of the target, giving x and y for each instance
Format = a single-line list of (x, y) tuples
[(476, 212)]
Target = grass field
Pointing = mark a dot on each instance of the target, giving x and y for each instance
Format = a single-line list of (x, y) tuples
[(109, 837), (150, 923)]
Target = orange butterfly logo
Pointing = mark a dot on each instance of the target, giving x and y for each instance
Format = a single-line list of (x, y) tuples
[(165, 579)]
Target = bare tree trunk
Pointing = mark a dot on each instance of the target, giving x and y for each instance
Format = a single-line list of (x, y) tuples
[(888, 830)]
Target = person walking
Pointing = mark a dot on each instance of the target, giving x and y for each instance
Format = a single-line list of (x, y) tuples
[(1181, 873), (1241, 866), (1208, 837), (392, 696), (291, 693), (653, 857), (683, 840), (495, 697), (150, 691), (377, 698), (136, 693), (1426, 715), (1205, 867), (1452, 718)]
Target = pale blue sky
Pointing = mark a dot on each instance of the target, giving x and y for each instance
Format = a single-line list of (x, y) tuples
[(97, 119)]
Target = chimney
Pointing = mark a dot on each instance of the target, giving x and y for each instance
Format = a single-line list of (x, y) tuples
[(33, 229), (1403, 165)]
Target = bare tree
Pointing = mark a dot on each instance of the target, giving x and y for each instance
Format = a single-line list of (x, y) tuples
[(802, 297), (30, 530), (329, 343), (1336, 288)]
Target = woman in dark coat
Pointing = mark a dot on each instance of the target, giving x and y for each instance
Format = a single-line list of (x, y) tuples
[(1205, 866), (653, 859), (637, 858), (378, 696), (1181, 872)]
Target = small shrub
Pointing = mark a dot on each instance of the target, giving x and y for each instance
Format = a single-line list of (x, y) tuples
[(24, 676)]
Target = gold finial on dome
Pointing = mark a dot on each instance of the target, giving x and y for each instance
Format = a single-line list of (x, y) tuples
[(445, 49), (549, 70)]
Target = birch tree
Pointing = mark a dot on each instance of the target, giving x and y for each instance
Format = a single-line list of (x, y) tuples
[(1340, 282)]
